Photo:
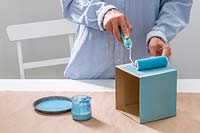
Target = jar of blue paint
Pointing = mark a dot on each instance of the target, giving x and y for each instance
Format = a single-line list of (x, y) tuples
[(81, 108)]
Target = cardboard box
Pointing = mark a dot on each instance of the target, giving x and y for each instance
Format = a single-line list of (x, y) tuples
[(147, 95)]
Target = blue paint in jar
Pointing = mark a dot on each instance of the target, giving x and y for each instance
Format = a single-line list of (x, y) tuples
[(81, 108)]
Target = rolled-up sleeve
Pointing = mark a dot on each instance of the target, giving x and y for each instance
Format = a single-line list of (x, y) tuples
[(86, 12), (173, 17)]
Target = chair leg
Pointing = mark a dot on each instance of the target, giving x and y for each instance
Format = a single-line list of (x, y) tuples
[(71, 41), (20, 60)]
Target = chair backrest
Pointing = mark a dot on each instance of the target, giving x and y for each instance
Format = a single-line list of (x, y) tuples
[(40, 29)]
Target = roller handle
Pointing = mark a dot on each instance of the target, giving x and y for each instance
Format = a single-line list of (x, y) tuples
[(127, 42)]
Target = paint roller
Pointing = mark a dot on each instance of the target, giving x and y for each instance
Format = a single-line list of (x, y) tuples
[(151, 63), (145, 63)]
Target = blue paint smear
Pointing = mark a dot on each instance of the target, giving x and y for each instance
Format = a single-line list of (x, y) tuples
[(54, 105)]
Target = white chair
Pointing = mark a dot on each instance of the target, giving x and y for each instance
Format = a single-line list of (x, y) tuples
[(21, 32)]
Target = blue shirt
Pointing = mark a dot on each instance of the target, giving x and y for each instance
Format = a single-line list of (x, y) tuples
[(96, 52)]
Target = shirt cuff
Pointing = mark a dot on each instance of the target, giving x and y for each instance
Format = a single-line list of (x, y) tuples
[(101, 15), (156, 34)]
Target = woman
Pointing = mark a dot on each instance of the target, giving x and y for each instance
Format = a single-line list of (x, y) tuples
[(151, 24)]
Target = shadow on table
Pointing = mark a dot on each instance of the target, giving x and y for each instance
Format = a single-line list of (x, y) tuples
[(67, 113), (93, 123), (187, 120)]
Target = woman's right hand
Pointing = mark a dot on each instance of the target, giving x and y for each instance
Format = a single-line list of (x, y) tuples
[(114, 19)]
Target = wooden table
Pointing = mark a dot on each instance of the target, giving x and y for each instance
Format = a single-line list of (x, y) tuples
[(18, 115)]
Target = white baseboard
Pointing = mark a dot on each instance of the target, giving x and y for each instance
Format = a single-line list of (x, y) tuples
[(188, 85)]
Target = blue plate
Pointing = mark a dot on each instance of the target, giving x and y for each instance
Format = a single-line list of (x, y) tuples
[(53, 104)]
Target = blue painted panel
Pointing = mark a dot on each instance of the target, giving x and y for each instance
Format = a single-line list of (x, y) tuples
[(158, 96)]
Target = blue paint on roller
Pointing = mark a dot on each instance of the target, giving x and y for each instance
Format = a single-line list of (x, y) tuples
[(151, 63)]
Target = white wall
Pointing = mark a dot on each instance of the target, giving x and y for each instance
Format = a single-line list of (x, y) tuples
[(25, 11), (185, 46)]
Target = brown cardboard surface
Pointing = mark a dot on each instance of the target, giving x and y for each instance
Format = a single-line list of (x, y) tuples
[(127, 95), (187, 119), (18, 116)]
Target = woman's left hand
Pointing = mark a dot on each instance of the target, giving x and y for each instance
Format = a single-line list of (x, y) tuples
[(157, 47)]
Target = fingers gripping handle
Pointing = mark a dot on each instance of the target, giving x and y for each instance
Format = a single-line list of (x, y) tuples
[(126, 42)]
